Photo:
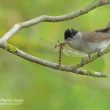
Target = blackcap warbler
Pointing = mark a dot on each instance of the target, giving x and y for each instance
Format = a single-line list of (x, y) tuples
[(87, 42)]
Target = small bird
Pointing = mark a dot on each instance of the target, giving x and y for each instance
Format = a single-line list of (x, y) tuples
[(87, 42)]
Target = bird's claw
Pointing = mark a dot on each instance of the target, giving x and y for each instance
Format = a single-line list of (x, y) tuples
[(82, 62), (99, 53)]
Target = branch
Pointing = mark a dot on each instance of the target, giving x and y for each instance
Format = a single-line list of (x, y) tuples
[(89, 60), (14, 50), (45, 18)]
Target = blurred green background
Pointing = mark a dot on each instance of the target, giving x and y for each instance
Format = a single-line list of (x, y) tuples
[(44, 88)]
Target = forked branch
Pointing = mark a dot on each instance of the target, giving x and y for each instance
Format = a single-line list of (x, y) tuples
[(45, 18)]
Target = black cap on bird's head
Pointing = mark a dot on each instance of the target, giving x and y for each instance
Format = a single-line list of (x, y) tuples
[(70, 33)]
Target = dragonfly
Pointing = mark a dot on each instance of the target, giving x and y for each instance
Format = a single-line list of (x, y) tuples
[(62, 48)]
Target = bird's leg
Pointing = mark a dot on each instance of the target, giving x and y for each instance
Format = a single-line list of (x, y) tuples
[(83, 59), (82, 62), (99, 52), (89, 55)]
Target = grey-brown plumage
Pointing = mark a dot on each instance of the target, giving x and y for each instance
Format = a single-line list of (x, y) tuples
[(95, 36), (87, 42)]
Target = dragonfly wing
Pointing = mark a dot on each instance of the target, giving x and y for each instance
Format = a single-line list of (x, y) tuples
[(72, 52), (67, 50)]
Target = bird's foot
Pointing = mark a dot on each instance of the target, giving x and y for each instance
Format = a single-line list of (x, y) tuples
[(99, 53), (89, 56), (82, 62)]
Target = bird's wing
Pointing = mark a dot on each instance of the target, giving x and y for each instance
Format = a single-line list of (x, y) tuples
[(96, 36)]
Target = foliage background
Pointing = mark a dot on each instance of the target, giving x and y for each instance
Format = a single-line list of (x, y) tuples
[(43, 88)]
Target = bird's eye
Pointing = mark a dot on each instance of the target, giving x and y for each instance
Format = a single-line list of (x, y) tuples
[(69, 39)]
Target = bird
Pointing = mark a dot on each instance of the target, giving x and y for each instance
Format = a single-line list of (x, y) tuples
[(87, 42)]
